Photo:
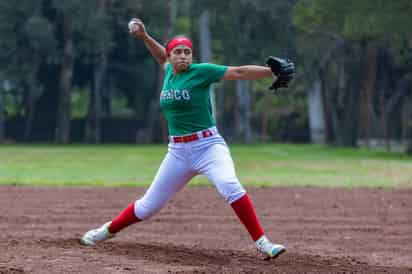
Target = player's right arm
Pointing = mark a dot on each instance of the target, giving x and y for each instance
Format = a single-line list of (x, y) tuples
[(156, 49)]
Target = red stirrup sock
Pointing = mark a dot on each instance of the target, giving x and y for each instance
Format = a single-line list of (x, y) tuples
[(125, 218), (246, 212)]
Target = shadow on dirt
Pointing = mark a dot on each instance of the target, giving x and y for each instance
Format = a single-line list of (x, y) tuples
[(225, 261), (11, 270)]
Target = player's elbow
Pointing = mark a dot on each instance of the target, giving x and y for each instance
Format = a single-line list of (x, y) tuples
[(162, 60), (235, 73)]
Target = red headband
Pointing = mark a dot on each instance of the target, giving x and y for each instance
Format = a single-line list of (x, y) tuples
[(178, 41)]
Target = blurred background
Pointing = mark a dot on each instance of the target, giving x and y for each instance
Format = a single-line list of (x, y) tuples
[(71, 73)]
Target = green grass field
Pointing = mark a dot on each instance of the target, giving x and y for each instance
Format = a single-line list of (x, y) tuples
[(257, 165)]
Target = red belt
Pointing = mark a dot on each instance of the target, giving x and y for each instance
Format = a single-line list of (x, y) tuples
[(192, 137)]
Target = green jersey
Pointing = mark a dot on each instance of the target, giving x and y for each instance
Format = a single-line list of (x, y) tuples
[(185, 97)]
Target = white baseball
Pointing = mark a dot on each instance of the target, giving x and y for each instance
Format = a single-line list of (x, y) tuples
[(133, 26)]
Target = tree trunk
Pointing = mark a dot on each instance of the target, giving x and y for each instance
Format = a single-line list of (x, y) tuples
[(394, 104), (265, 117), (384, 119), (31, 105), (349, 125), (47, 104), (242, 125), (206, 51), (106, 92), (156, 123), (95, 113), (342, 101), (407, 124), (153, 115), (205, 37), (331, 109), (316, 113), (89, 131), (2, 127), (66, 73), (368, 86), (99, 77), (328, 101), (32, 97)]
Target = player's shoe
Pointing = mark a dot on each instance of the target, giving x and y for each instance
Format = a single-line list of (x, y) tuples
[(97, 235), (268, 249)]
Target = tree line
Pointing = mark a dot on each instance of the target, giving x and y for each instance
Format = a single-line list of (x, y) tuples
[(62, 61)]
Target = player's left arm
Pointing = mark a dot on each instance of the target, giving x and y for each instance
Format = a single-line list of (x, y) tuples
[(248, 72)]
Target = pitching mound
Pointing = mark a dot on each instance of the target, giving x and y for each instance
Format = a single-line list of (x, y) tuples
[(324, 230)]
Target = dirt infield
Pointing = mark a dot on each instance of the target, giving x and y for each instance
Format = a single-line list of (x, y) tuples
[(325, 231)]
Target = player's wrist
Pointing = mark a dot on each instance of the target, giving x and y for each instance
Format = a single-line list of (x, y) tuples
[(144, 36)]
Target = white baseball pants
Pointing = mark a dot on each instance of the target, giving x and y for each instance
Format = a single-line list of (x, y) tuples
[(209, 156)]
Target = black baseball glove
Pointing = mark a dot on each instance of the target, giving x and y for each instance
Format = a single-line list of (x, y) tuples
[(283, 69)]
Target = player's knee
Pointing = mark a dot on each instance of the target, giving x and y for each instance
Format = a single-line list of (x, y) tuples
[(232, 197), (145, 209), (231, 191)]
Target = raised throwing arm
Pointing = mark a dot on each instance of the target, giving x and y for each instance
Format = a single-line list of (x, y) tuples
[(138, 29)]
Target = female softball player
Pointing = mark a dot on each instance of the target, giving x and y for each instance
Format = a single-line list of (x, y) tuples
[(195, 145)]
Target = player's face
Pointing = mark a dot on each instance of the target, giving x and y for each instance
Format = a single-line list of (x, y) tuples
[(180, 58)]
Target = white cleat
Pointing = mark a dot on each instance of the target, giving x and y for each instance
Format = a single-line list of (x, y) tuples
[(97, 235), (268, 249)]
